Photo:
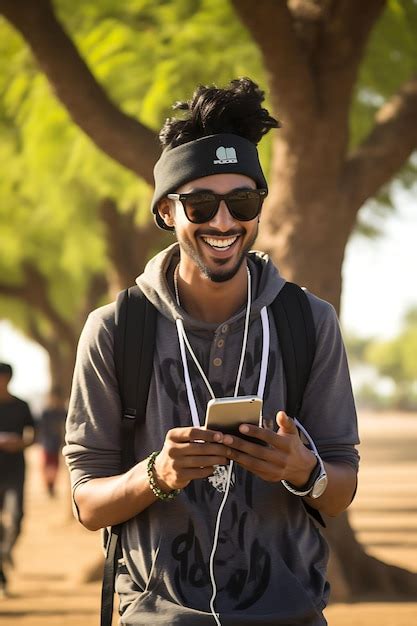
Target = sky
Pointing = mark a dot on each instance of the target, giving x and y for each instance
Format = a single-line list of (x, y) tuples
[(379, 283), (378, 287)]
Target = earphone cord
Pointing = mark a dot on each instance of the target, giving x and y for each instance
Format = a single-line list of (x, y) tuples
[(183, 339), (184, 343)]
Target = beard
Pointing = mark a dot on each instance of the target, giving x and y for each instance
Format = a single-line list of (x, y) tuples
[(216, 273)]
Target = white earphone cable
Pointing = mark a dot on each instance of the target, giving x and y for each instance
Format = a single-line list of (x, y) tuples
[(183, 341)]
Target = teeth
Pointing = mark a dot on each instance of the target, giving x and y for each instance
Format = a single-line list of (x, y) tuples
[(220, 243)]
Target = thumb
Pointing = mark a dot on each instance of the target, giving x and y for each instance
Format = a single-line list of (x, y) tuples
[(285, 424)]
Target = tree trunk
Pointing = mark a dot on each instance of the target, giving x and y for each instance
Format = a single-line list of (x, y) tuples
[(61, 367), (305, 226), (306, 223)]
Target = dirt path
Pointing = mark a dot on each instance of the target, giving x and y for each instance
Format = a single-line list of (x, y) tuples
[(54, 552)]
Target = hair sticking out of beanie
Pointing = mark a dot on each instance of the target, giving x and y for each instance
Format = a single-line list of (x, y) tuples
[(236, 109)]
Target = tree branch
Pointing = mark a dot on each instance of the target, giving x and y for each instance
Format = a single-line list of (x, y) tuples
[(340, 46), (48, 343), (34, 291), (120, 136), (271, 25), (386, 149)]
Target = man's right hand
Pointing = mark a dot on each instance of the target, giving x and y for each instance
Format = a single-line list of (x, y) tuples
[(188, 453)]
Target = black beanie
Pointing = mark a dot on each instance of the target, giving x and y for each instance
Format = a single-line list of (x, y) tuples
[(215, 154)]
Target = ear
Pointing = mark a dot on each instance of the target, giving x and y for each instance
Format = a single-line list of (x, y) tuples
[(166, 210)]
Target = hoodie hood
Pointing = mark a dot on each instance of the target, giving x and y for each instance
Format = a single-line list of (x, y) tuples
[(156, 283)]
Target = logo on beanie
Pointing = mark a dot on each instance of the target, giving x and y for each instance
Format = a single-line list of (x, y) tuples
[(225, 155)]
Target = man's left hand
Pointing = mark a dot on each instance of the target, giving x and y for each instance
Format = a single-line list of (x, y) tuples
[(284, 457)]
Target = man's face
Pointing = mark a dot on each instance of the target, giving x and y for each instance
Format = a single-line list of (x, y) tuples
[(218, 247)]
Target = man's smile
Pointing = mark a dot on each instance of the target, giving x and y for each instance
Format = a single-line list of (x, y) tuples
[(220, 243)]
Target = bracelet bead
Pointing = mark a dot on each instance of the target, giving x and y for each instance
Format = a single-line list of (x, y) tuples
[(156, 490)]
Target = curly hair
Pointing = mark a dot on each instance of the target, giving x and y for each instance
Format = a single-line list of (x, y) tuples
[(234, 109)]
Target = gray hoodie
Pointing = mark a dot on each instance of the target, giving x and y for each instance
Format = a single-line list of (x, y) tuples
[(270, 562)]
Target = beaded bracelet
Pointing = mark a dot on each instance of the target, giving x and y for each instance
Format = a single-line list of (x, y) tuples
[(157, 491)]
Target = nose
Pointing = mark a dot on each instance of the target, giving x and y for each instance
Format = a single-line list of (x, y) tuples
[(223, 219)]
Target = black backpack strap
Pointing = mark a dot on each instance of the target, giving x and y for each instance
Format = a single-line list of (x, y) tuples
[(109, 576), (297, 338), (134, 343)]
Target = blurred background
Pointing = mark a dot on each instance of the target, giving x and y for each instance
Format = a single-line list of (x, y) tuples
[(84, 89)]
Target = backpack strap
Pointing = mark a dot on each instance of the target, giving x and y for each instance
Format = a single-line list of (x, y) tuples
[(134, 344), (297, 338)]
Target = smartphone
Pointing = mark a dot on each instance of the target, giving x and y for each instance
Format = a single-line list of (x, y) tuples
[(226, 415)]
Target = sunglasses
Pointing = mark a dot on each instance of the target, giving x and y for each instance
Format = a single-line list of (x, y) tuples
[(201, 206)]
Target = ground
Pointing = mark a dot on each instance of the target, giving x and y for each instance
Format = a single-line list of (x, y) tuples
[(53, 554)]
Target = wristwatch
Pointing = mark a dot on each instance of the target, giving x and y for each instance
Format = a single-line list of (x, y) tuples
[(316, 484)]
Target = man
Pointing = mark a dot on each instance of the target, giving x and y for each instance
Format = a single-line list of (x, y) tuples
[(202, 545), (16, 433), (51, 436)]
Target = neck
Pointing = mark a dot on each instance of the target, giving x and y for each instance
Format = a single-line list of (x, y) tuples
[(208, 301)]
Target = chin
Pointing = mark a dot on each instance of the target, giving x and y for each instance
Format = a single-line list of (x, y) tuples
[(223, 276)]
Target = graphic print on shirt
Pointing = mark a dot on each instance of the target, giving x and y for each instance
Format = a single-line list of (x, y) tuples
[(245, 582)]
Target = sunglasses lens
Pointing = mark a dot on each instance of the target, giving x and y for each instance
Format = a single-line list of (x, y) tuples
[(244, 205), (200, 207)]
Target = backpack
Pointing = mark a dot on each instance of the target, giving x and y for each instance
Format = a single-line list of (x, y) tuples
[(134, 343)]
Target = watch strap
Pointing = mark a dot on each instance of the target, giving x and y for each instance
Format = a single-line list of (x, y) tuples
[(305, 489)]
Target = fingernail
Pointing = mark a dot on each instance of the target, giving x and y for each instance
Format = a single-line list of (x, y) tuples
[(244, 428), (218, 437)]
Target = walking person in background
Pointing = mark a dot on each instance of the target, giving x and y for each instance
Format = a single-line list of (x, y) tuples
[(51, 437), (16, 433)]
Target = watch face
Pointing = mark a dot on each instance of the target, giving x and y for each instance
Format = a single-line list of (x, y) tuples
[(319, 486)]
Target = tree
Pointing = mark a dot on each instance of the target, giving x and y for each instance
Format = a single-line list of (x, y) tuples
[(64, 248), (312, 56)]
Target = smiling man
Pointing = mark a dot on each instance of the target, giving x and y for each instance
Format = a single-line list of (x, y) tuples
[(216, 528)]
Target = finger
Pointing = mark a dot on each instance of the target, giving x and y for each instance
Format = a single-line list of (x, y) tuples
[(264, 435), (286, 425), (197, 448), (252, 464), (189, 433), (251, 448)]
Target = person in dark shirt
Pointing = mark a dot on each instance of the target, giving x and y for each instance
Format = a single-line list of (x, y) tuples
[(16, 433), (51, 437)]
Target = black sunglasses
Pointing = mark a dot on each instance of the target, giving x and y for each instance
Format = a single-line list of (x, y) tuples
[(201, 206)]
